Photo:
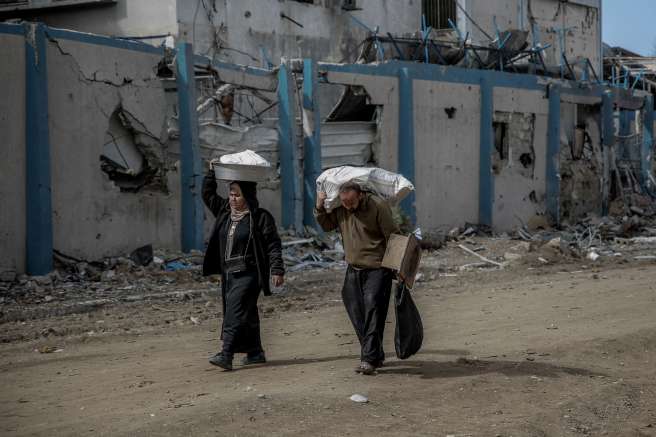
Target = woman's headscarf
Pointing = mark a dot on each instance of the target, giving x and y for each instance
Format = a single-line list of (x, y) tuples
[(249, 191)]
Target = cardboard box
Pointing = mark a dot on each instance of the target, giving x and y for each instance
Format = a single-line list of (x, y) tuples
[(403, 254)]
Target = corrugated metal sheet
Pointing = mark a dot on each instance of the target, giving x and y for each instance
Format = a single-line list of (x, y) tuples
[(346, 143)]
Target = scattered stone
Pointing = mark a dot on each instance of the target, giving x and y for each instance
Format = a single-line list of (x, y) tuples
[(359, 399), (143, 255), (108, 275), (593, 256), (49, 349), (454, 233), (8, 276), (509, 256), (42, 280), (538, 222)]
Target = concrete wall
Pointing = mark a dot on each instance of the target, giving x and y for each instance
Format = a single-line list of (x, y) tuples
[(125, 18), (582, 19), (447, 129), (328, 33), (518, 197), (446, 153), (12, 153), (92, 217)]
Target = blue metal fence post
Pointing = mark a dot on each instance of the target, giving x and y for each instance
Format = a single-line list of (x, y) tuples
[(312, 141), (607, 140), (39, 237), (486, 180), (647, 149), (287, 141), (406, 146), (553, 155), (190, 160), (625, 118)]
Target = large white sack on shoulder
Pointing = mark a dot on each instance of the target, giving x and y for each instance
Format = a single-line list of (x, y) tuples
[(390, 186), (332, 179)]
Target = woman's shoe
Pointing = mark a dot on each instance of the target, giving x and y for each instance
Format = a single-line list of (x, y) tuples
[(257, 358), (222, 360)]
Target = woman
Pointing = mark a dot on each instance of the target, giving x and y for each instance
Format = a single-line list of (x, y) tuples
[(245, 249)]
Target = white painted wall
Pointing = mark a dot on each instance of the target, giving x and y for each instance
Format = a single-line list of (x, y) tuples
[(125, 18), (91, 217), (446, 154), (12, 153), (512, 204), (328, 33)]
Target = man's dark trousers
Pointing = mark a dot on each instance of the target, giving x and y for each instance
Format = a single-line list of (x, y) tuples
[(366, 295)]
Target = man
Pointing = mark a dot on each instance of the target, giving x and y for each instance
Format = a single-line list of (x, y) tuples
[(365, 222)]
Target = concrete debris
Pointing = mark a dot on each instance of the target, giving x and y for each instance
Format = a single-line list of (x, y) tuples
[(146, 274), (320, 251), (469, 230), (143, 255), (359, 398), (489, 261), (592, 237), (511, 256)]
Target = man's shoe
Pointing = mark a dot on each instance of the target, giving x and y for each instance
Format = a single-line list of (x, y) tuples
[(366, 368), (222, 360), (257, 358)]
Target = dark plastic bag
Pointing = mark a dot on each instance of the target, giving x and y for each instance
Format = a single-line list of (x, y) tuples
[(409, 333)]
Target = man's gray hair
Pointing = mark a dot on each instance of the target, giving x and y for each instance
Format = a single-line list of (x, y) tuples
[(350, 186)]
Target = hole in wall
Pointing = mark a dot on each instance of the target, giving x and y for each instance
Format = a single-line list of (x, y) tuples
[(526, 160), (500, 139), (533, 197), (121, 159)]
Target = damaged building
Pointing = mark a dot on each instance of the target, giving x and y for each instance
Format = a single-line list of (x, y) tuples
[(497, 111)]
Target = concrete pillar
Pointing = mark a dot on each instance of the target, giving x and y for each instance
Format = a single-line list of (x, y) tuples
[(190, 160), (647, 149), (486, 180), (553, 155), (312, 141), (406, 144), (607, 143), (37, 139), (292, 197)]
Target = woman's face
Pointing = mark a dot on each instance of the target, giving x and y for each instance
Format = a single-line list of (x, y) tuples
[(237, 200)]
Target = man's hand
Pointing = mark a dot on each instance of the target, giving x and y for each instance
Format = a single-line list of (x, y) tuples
[(321, 198), (277, 280)]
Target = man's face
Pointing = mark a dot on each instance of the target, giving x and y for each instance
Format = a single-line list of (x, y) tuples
[(350, 199)]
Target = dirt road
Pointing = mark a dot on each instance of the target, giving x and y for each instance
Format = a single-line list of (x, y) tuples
[(559, 351)]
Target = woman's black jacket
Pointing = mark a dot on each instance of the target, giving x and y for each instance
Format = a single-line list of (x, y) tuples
[(266, 242)]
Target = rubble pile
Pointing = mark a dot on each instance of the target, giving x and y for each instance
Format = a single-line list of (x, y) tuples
[(77, 285), (595, 237), (592, 239), (324, 251)]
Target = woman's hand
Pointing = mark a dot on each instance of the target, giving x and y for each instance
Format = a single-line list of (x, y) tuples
[(277, 280)]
